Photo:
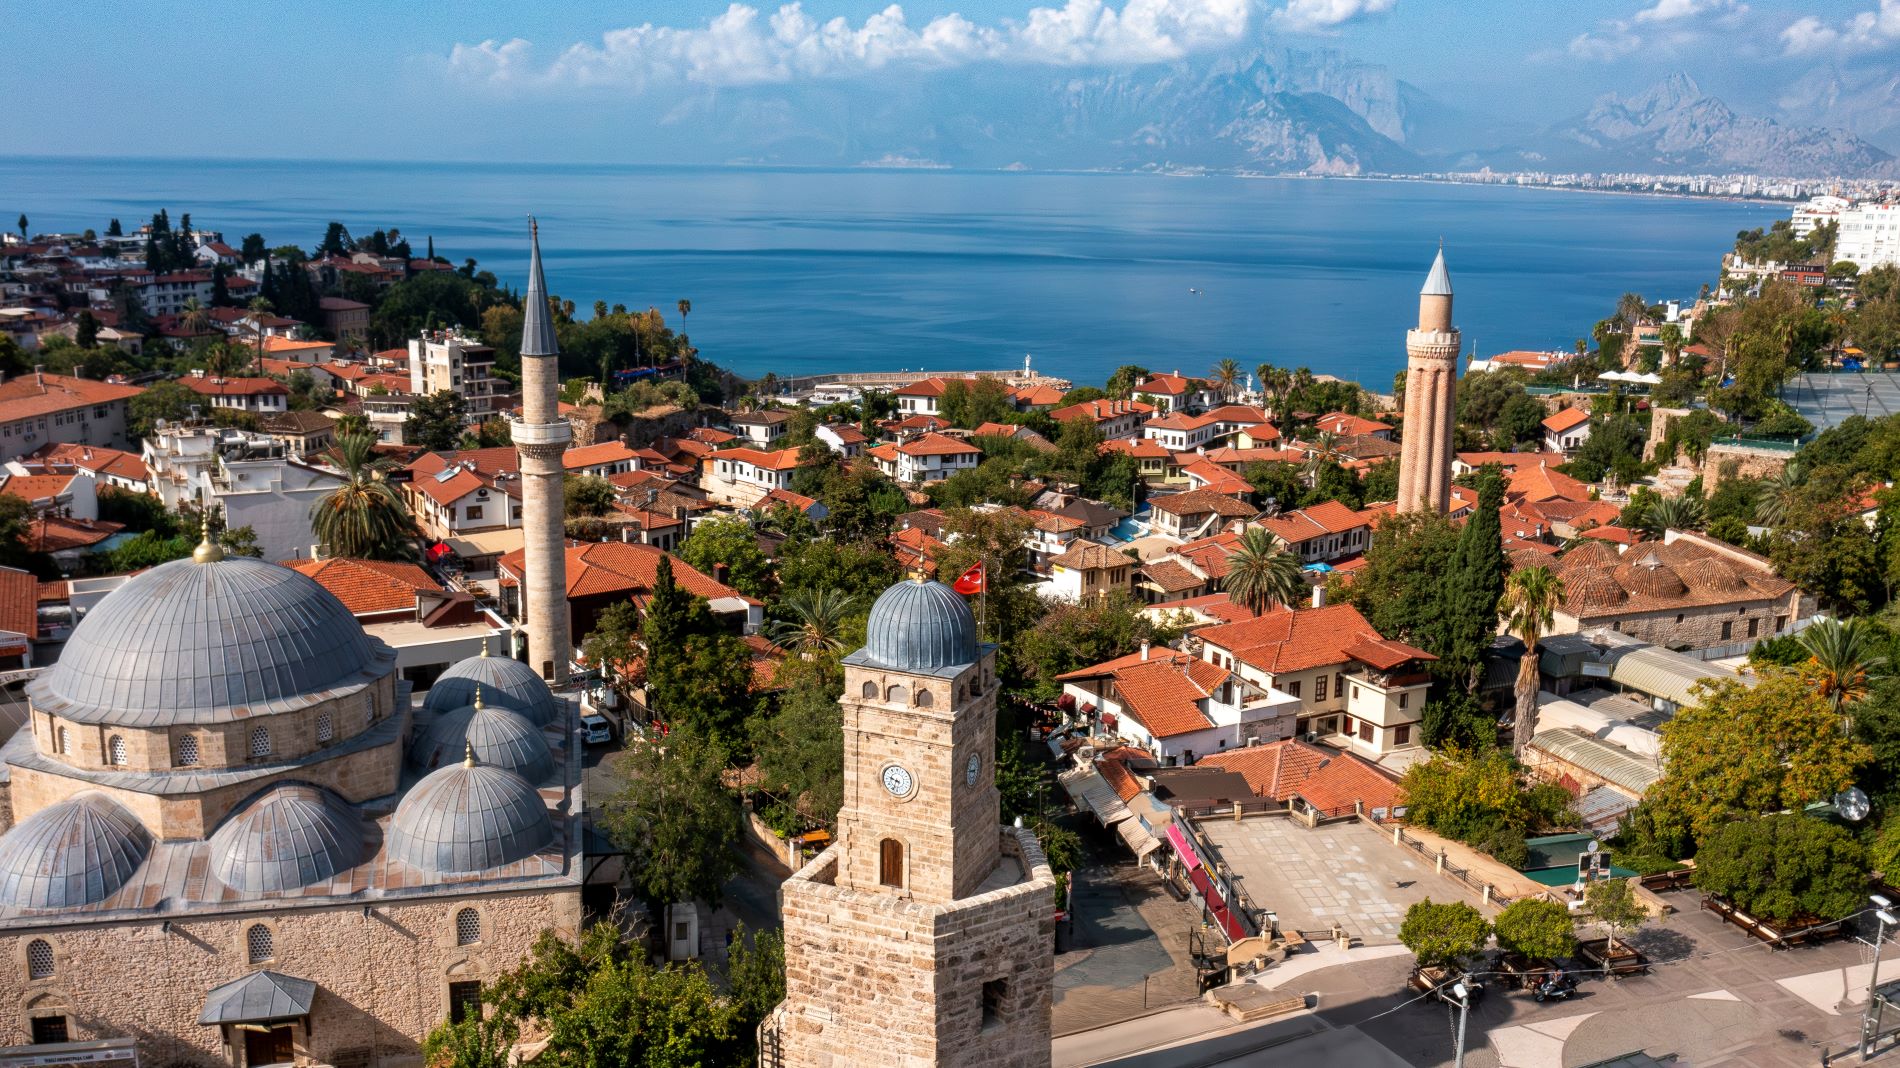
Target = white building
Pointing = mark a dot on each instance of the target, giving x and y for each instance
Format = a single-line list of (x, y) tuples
[(449, 360), (1176, 706), (931, 458), (38, 409), (744, 476), (1566, 431), (1870, 236), (250, 477), (260, 396), (1820, 210)]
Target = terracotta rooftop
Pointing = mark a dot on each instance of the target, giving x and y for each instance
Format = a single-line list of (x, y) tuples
[(938, 445), (368, 587), (780, 460), (1284, 639), (1344, 424), (1568, 419), (1201, 502), (1102, 410), (1328, 517), (623, 569), (1162, 688), (42, 394), (1088, 556)]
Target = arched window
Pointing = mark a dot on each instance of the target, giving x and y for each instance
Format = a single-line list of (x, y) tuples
[(326, 730), (188, 751), (257, 943), (890, 862), (897, 695), (468, 927), (925, 699), (870, 690), (39, 959), (115, 750), (65, 742), (260, 741)]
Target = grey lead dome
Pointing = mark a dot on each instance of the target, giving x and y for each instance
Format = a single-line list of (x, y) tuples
[(463, 819), (499, 737), (190, 642), (920, 626), (291, 835), (503, 680), (74, 853)]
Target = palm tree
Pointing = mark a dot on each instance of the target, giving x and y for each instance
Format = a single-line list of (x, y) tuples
[(1226, 376), (679, 348), (1325, 452), (1531, 597), (1845, 657), (364, 518), (196, 320), (817, 623), (1273, 383), (259, 307), (1672, 513), (1780, 495), (1260, 573)]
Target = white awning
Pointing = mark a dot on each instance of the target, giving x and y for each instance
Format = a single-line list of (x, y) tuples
[(1138, 838), (1092, 792)]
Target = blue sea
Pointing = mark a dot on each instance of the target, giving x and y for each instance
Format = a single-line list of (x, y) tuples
[(796, 271)]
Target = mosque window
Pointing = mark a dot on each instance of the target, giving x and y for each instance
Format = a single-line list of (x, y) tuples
[(897, 695), (188, 751), (260, 741), (326, 730), (49, 1029), (890, 862), (115, 750), (39, 959), (65, 742), (924, 699), (870, 691), (468, 927), (465, 1001), (257, 943)]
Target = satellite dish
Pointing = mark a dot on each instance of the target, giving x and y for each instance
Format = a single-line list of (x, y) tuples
[(1595, 845), (1852, 804)]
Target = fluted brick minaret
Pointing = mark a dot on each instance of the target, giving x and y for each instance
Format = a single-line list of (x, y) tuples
[(541, 436), (1431, 381)]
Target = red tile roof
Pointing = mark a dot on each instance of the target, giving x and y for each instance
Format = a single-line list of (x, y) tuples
[(1284, 639), (606, 452), (621, 568), (34, 395), (1102, 410), (1171, 385), (1567, 419), (1345, 424), (781, 460), (234, 387), (368, 587), (1201, 502), (1273, 770), (1327, 517), (1162, 691), (19, 602), (51, 533), (938, 445)]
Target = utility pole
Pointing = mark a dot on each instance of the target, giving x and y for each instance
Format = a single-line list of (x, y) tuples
[(1463, 994), (1870, 1019)]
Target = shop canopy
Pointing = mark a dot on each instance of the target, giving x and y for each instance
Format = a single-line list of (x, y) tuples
[(259, 997)]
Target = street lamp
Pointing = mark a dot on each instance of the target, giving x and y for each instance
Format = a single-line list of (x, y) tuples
[(1463, 994), (1870, 1019)]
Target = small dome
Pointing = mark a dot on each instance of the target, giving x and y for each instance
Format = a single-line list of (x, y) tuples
[(920, 626), (191, 642), (469, 818), (499, 737), (1589, 588), (77, 852), (504, 681), (1651, 577), (288, 836)]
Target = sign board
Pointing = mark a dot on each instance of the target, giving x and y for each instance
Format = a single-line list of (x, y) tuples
[(1594, 864), (105, 1053)]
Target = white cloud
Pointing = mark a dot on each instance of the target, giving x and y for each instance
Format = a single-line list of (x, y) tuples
[(1676, 10), (1865, 31), (739, 47), (1311, 16)]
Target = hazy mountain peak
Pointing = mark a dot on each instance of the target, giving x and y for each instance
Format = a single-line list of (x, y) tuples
[(1674, 91)]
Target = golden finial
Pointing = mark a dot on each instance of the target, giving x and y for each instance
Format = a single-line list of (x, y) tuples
[(208, 550), (478, 695), (484, 645), (468, 758), (917, 574)]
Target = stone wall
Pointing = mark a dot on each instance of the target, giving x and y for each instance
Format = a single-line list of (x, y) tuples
[(1740, 461), (1659, 420), (1692, 627), (382, 978)]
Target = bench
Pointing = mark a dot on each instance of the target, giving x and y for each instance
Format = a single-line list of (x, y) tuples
[(1674, 879)]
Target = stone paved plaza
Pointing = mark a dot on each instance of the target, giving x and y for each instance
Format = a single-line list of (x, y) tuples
[(1337, 873)]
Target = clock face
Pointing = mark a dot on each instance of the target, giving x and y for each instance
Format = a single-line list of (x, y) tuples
[(898, 781), (972, 769)]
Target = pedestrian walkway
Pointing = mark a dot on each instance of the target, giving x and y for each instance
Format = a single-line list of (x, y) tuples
[(1119, 963)]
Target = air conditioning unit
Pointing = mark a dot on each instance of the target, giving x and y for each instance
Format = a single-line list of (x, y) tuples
[(1310, 737)]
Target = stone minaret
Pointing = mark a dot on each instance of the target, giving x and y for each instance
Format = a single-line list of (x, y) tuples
[(1431, 382), (923, 937), (540, 436)]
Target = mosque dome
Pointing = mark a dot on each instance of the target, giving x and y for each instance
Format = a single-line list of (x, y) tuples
[(1650, 577), (205, 641), (504, 681), (77, 852), (499, 737), (291, 835), (920, 626), (467, 818)]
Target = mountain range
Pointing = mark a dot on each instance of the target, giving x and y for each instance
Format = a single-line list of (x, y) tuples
[(1269, 110)]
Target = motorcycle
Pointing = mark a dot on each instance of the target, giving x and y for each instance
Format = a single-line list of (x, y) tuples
[(1557, 986)]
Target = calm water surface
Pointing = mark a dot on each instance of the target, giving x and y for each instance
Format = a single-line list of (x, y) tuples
[(800, 271)]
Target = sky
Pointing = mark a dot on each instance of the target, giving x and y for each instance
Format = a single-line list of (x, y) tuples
[(356, 79)]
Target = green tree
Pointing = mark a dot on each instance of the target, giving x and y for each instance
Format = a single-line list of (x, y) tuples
[(435, 421), (1443, 934), (473, 1042), (1471, 587), (1481, 799), (586, 495), (1784, 867), (730, 541), (1743, 750), (1260, 574), (1398, 589), (365, 517), (1226, 378), (1072, 636), (799, 750), (755, 971), (815, 622), (1663, 514), (168, 401), (675, 819), (1121, 385), (1537, 928), (614, 642), (1531, 597), (86, 333), (1613, 903)]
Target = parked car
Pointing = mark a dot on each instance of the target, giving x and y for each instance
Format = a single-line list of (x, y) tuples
[(596, 730)]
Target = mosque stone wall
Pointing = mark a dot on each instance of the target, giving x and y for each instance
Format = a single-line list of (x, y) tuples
[(383, 979)]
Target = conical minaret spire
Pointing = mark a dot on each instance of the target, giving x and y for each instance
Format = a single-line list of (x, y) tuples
[(540, 436), (1431, 381)]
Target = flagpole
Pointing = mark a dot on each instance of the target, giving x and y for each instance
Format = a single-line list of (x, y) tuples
[(983, 593)]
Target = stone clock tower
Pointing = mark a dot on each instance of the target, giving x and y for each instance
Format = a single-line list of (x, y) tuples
[(925, 934)]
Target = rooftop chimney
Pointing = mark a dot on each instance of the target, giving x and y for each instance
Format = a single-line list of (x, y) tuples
[(1319, 596), (1144, 650), (721, 573)]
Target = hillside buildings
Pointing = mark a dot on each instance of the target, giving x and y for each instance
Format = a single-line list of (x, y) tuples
[(42, 409), (1869, 235)]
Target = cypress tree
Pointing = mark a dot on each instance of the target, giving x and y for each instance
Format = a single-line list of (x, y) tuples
[(1474, 581)]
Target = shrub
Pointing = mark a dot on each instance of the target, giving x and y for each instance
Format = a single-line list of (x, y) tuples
[(1784, 867), (1537, 927)]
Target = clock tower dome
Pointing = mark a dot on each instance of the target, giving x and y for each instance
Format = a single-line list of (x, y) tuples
[(924, 935)]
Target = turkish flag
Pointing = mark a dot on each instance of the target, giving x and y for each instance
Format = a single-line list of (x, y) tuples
[(970, 581)]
